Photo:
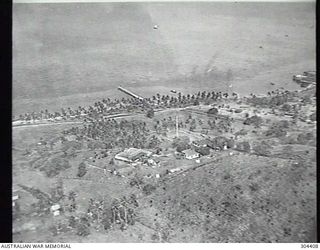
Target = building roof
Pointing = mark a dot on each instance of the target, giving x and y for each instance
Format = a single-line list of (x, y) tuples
[(15, 197), (55, 207), (189, 152), (133, 153)]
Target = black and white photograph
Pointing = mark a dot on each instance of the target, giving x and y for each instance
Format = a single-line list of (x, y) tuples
[(164, 122)]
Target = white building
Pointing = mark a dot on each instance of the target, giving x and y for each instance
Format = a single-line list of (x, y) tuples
[(190, 154), (132, 155)]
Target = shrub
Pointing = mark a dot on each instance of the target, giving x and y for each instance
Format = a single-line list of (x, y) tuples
[(231, 143), (72, 222), (154, 237), (243, 146), (282, 124), (82, 170), (95, 144), (254, 187), (106, 222), (54, 166), (83, 229), (196, 102), (262, 149), (277, 129), (254, 120), (313, 116), (148, 189), (258, 101), (278, 100), (57, 193), (71, 146), (136, 181), (304, 138), (241, 132)]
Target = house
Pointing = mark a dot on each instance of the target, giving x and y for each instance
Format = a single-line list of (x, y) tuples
[(15, 197), (132, 155), (173, 170), (190, 154), (152, 162), (56, 213), (70, 137), (55, 207)]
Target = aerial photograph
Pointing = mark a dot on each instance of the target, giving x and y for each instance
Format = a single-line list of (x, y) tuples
[(164, 122)]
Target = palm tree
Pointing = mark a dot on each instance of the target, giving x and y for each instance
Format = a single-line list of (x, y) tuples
[(203, 94)]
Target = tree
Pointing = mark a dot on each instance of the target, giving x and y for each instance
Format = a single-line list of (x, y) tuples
[(72, 222), (213, 111), (286, 107), (82, 170), (193, 125), (255, 120), (196, 102), (150, 113), (181, 143), (83, 228), (203, 150)]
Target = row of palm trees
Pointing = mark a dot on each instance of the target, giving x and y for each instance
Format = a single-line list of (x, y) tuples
[(106, 106)]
